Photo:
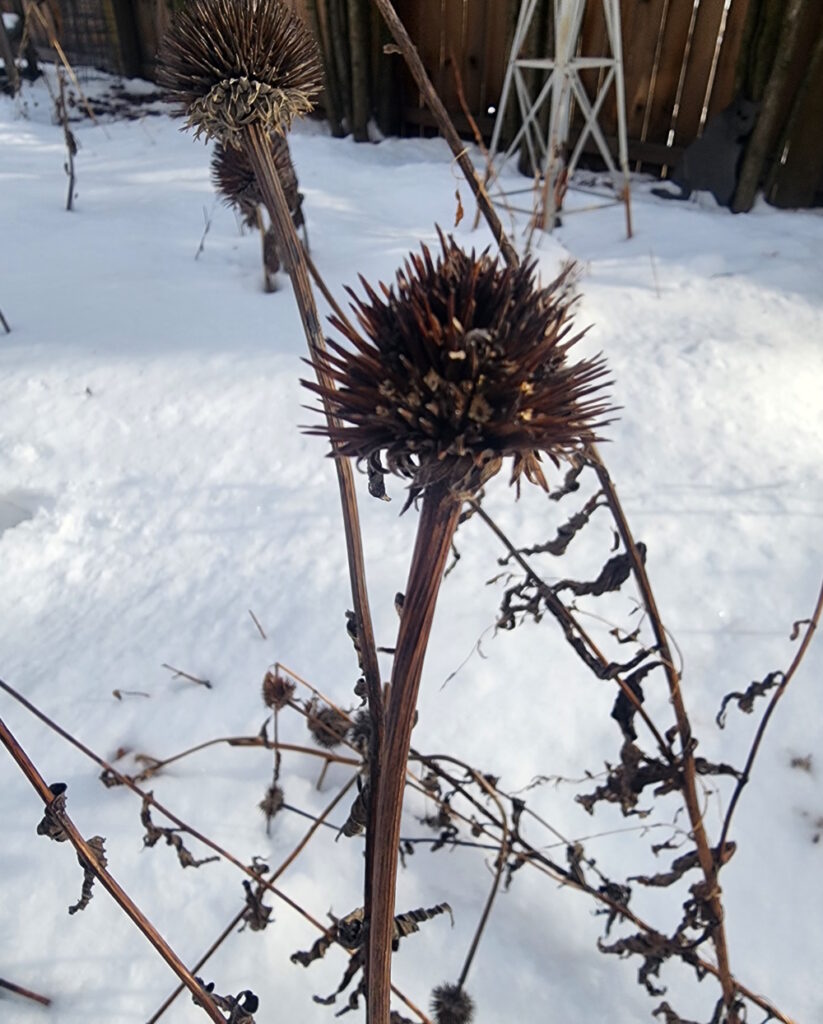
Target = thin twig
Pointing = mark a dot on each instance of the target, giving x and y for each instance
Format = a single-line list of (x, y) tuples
[(475, 129), (68, 135), (271, 877), (5, 323), (811, 628), (447, 129), (325, 291), (256, 621), (90, 859), (500, 864), (206, 228), (185, 675), (156, 765), (26, 993)]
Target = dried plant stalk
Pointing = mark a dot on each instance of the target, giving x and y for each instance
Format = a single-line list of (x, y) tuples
[(90, 858)]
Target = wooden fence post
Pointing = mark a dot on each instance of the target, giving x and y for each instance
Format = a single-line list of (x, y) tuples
[(767, 130)]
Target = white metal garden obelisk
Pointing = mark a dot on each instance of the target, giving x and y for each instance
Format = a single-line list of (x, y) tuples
[(548, 150)]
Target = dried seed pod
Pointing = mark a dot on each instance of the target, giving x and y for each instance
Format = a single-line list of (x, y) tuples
[(360, 732), (233, 63), (271, 802), (277, 691), (451, 1005), (326, 724), (234, 179), (460, 364)]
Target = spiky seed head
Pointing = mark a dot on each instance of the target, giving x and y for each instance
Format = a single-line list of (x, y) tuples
[(234, 179), (277, 691), (459, 365), (451, 1005), (326, 724), (232, 63), (272, 801)]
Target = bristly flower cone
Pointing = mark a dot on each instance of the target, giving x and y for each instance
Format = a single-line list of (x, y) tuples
[(460, 365), (233, 63)]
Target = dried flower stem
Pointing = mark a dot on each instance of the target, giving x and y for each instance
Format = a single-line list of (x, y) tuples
[(5, 323), (438, 521), (257, 878), (708, 864), (500, 863), (238, 917), (569, 622), (258, 149), (182, 825), (811, 628), (24, 992), (241, 741), (186, 675), (447, 129), (90, 859)]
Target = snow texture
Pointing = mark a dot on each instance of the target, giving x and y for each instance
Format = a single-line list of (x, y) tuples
[(155, 487)]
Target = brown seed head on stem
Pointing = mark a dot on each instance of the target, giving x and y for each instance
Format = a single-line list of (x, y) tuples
[(234, 179), (233, 63), (461, 364)]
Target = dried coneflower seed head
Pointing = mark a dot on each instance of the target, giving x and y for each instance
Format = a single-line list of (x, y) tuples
[(326, 724), (451, 1005), (277, 691), (233, 63), (272, 801), (460, 364), (234, 179)]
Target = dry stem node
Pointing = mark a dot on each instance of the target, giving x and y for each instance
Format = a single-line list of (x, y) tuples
[(461, 364), (234, 63)]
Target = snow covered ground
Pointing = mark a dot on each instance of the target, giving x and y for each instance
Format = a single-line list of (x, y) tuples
[(154, 487)]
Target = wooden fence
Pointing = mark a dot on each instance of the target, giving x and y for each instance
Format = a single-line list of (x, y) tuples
[(681, 65)]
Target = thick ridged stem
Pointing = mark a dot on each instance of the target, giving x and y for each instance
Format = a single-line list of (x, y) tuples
[(258, 149), (438, 521)]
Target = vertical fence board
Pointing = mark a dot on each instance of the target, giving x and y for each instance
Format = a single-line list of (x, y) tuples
[(452, 42), (593, 43), (675, 37), (698, 70), (473, 69), (724, 78), (641, 31)]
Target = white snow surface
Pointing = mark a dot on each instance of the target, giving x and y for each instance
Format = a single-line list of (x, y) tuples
[(155, 486)]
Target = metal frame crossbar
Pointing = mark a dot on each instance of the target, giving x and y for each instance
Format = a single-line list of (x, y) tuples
[(547, 152)]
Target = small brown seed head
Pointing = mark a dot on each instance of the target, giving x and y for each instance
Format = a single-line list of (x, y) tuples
[(326, 724), (451, 1005), (277, 691)]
